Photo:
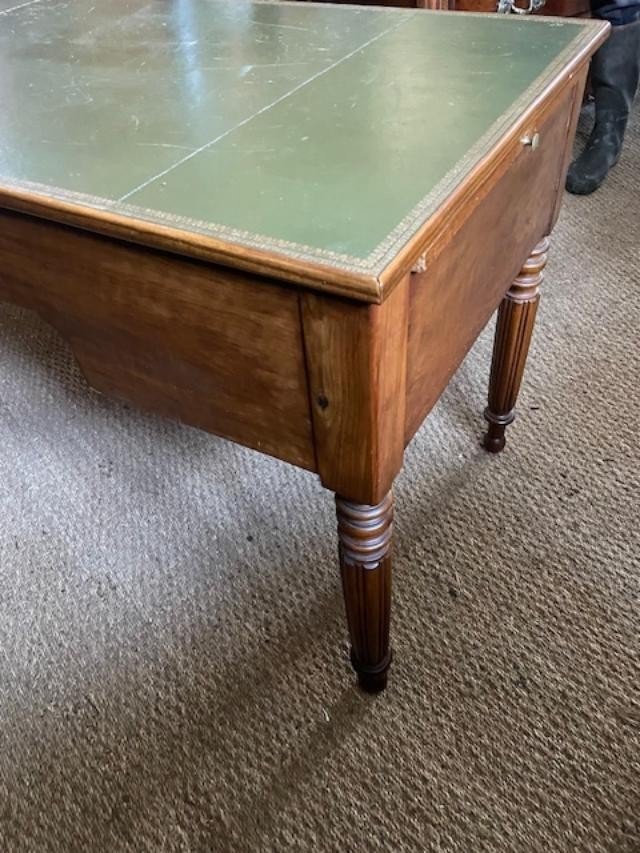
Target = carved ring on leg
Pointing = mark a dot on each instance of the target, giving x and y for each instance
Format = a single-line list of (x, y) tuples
[(514, 327), (364, 534)]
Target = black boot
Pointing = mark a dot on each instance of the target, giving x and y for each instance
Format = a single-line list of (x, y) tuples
[(614, 79)]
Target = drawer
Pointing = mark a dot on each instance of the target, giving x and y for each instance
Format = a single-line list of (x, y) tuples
[(464, 283)]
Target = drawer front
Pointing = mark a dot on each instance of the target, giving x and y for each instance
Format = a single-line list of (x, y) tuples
[(208, 346), (455, 297)]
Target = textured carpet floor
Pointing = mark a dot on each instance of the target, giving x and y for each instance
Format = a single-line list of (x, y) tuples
[(173, 667)]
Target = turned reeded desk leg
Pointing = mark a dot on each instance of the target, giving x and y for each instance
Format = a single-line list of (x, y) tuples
[(364, 534), (516, 318)]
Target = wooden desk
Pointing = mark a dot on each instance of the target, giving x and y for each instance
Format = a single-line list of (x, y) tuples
[(220, 205)]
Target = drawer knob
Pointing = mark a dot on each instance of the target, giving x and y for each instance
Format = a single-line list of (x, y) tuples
[(531, 140)]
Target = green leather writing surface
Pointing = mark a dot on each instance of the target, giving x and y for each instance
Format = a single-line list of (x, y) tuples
[(328, 132)]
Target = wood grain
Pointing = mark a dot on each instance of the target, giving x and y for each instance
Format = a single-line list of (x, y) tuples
[(576, 106), (206, 248), (457, 294), (209, 346), (514, 327), (365, 534), (356, 361)]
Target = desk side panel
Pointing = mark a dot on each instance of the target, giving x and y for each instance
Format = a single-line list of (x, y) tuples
[(465, 280), (208, 346)]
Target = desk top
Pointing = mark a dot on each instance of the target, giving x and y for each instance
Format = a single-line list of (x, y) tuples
[(317, 138)]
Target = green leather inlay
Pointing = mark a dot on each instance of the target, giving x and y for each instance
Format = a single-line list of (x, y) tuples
[(329, 132)]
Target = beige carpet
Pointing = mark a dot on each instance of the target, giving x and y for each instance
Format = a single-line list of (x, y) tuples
[(173, 668)]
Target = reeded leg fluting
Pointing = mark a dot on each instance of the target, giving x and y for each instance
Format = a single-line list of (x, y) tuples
[(516, 318), (364, 534)]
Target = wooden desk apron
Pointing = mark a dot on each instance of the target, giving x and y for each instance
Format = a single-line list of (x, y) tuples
[(220, 207)]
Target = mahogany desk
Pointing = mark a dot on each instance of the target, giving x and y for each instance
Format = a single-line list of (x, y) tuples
[(287, 223)]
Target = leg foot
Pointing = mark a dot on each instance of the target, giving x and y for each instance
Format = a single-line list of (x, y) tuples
[(494, 439), (372, 679), (516, 318), (365, 562)]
